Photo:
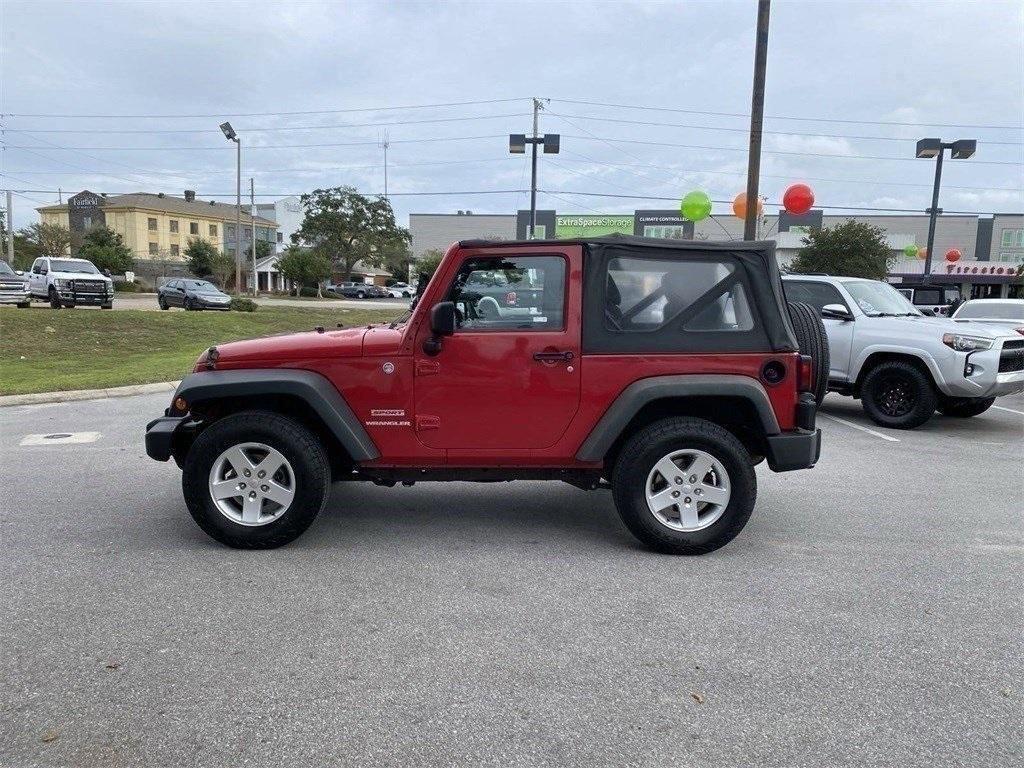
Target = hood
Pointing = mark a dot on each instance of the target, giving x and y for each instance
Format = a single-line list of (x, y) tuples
[(947, 325), (15, 278), (78, 276), (289, 348)]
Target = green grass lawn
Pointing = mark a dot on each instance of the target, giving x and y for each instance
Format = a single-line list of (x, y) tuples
[(45, 350)]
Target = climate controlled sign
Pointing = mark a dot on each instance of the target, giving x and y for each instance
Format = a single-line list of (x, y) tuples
[(592, 226)]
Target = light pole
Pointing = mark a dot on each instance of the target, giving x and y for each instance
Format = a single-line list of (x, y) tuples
[(756, 118), (961, 149), (517, 146), (230, 135)]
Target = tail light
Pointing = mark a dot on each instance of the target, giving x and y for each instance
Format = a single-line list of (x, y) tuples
[(1020, 331), (805, 380)]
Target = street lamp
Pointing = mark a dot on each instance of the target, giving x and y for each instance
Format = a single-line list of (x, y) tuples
[(517, 146), (961, 149), (230, 135)]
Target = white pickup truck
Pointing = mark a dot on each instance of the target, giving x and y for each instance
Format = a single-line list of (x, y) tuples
[(902, 364), (67, 282)]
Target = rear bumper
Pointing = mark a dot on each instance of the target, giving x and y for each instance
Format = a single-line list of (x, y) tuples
[(794, 450), (160, 436)]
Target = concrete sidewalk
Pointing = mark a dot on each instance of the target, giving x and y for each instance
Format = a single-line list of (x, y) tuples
[(87, 394)]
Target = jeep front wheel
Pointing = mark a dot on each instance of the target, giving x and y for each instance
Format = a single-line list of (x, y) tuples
[(898, 395), (684, 486), (255, 480)]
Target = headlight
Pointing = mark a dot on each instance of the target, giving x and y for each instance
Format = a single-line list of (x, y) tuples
[(62, 283), (25, 288), (962, 343)]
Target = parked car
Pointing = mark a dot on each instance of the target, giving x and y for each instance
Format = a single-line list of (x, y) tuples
[(70, 283), (192, 294), (13, 286), (902, 364), (401, 291), (671, 410), (358, 290), (1000, 313), (936, 299)]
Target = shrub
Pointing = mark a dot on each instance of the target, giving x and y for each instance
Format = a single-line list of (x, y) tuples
[(242, 304), (126, 287)]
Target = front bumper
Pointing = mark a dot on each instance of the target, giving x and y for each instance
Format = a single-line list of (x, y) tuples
[(14, 297), (984, 379), (203, 304), (160, 436), (85, 299)]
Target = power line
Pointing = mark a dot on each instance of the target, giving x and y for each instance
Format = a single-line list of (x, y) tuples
[(368, 143), (252, 129), (228, 114), (790, 117), (746, 130)]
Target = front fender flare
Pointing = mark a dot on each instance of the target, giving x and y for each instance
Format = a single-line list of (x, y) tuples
[(314, 389), (892, 349), (640, 393)]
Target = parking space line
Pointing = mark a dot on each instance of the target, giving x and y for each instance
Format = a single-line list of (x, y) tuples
[(1010, 410), (858, 426)]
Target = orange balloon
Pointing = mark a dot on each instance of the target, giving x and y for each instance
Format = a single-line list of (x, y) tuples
[(922, 253), (739, 206)]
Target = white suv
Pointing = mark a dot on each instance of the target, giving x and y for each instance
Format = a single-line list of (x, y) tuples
[(902, 364), (69, 283)]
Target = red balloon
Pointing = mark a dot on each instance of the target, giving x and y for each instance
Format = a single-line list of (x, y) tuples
[(953, 254), (798, 199)]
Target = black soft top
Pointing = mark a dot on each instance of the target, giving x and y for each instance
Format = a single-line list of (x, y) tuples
[(756, 259)]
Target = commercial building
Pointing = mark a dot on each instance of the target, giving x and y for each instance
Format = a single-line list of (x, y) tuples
[(287, 212), (157, 227), (992, 248)]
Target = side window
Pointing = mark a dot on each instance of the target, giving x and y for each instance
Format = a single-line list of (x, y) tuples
[(815, 294), (649, 294), (524, 293), (36, 266)]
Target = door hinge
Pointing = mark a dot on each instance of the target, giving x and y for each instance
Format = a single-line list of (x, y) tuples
[(427, 367), (423, 423)]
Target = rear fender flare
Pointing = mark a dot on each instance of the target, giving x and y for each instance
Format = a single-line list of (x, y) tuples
[(322, 396), (640, 393)]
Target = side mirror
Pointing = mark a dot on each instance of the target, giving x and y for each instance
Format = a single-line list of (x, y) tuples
[(928, 312), (836, 312), (442, 323), (19, 272)]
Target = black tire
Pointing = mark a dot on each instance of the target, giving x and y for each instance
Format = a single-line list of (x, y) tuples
[(107, 306), (898, 395), (187, 305), (813, 341), (162, 303), (54, 298), (304, 452), (25, 305), (964, 407), (360, 295), (636, 461)]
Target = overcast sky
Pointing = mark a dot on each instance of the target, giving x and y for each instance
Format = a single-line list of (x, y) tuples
[(941, 69)]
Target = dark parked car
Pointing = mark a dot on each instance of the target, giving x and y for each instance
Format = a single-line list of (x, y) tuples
[(358, 291), (192, 294)]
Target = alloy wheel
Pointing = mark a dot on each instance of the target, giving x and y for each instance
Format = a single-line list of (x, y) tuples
[(687, 490), (895, 396), (252, 484)]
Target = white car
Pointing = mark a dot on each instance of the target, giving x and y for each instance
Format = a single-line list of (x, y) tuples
[(401, 291), (902, 364), (70, 283), (999, 313)]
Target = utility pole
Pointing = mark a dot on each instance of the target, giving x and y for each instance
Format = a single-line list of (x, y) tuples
[(537, 107), (384, 144), (517, 146), (10, 229), (60, 196), (756, 119), (252, 208)]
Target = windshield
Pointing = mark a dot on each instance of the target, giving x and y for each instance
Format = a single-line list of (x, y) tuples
[(73, 265), (5, 268), (1000, 311), (201, 285), (877, 299)]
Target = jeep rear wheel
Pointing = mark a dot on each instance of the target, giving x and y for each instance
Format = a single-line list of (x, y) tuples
[(813, 341), (255, 480), (898, 395), (964, 407), (684, 486)]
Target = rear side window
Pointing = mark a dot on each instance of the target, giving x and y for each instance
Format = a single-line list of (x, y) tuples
[(815, 294), (927, 296), (525, 293)]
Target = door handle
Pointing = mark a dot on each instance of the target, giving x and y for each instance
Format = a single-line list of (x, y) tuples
[(553, 357)]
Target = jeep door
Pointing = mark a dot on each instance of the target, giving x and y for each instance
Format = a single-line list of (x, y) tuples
[(840, 332), (508, 379)]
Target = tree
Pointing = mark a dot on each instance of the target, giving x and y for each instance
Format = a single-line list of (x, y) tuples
[(428, 263), (303, 266), (347, 227), (201, 256), (222, 268), (396, 260), (106, 249), (52, 240), (852, 249), (263, 249)]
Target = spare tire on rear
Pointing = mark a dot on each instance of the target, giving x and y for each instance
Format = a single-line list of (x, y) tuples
[(811, 337)]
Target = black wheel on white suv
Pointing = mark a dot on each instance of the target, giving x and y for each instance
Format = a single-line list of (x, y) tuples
[(964, 407), (898, 394), (684, 486), (255, 479)]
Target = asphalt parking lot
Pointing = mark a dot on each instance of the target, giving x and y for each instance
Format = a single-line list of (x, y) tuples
[(870, 614)]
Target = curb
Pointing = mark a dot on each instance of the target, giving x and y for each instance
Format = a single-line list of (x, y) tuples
[(87, 394)]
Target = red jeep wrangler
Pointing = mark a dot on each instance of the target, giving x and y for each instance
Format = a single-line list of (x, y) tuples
[(664, 370)]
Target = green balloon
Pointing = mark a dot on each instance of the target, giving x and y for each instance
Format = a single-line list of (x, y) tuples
[(695, 206), (910, 251)]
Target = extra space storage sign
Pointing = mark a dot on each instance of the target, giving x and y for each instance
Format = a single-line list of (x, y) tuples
[(592, 226)]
